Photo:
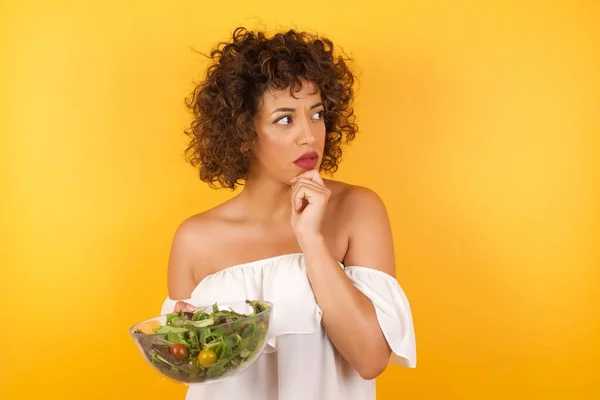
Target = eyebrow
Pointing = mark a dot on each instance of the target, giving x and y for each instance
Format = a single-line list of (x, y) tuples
[(287, 109)]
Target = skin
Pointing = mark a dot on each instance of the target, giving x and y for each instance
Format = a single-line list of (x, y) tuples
[(284, 209)]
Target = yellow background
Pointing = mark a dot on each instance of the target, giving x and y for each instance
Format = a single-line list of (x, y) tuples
[(479, 128)]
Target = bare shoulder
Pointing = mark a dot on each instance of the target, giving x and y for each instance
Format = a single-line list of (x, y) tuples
[(356, 201), (191, 249), (199, 228), (370, 242)]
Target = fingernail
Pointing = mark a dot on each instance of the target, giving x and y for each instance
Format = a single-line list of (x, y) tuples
[(190, 307)]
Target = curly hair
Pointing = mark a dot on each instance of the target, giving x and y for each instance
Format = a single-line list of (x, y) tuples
[(242, 70)]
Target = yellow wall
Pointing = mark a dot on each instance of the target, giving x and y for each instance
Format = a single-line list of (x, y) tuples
[(485, 121)]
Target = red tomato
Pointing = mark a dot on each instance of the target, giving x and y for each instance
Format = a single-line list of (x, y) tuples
[(179, 351)]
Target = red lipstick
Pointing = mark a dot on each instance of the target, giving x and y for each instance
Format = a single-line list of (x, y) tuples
[(307, 160)]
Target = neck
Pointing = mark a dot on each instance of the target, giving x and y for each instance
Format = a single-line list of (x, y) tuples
[(266, 200)]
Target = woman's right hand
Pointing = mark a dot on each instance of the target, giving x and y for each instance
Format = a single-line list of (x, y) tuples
[(183, 306)]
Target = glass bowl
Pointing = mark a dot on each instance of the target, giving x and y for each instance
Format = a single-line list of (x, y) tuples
[(213, 343)]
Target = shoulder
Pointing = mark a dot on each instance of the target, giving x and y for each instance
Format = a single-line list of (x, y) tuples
[(193, 230), (203, 225), (370, 242), (356, 201), (196, 234), (190, 250)]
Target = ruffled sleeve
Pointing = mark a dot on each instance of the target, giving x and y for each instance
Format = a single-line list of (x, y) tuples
[(392, 310)]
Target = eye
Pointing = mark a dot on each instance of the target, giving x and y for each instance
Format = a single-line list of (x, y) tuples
[(284, 120), (318, 115)]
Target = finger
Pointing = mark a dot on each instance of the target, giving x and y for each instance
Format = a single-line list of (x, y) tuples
[(309, 191), (311, 174), (309, 183), (296, 200), (297, 197), (183, 306), (300, 193)]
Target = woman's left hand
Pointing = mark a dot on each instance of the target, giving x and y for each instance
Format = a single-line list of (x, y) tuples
[(308, 188)]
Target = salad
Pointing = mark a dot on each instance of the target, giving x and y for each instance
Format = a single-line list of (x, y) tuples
[(210, 343)]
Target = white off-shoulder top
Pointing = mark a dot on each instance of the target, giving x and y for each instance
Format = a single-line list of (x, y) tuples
[(299, 361)]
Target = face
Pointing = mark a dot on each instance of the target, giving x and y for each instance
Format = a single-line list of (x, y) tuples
[(290, 133)]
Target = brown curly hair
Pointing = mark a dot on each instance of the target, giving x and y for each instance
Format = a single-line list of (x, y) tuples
[(225, 103)]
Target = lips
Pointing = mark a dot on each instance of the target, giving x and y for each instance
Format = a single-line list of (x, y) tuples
[(307, 160)]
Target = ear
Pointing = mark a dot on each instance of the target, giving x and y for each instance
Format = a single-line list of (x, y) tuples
[(248, 145)]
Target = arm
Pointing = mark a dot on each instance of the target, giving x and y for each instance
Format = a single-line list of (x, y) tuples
[(180, 273), (348, 316)]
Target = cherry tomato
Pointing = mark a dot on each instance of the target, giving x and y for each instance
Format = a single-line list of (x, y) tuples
[(179, 351), (207, 357)]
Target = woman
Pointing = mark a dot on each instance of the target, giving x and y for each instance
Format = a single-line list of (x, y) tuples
[(272, 114)]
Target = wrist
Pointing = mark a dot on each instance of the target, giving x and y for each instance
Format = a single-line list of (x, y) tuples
[(311, 242)]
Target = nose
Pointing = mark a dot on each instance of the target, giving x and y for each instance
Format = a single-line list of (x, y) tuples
[(306, 135)]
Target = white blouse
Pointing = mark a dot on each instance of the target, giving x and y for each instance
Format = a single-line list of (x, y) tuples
[(299, 361)]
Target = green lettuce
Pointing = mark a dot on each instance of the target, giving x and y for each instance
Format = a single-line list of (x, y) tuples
[(233, 337)]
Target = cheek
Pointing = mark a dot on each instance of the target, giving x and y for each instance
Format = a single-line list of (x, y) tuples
[(321, 133), (269, 146), (272, 150)]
